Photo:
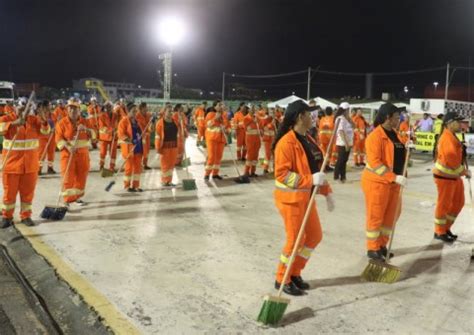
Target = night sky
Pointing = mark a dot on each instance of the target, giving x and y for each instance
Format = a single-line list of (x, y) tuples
[(53, 42)]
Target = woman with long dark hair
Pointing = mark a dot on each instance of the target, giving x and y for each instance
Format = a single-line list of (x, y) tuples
[(344, 141), (381, 179), (298, 161), (450, 155)]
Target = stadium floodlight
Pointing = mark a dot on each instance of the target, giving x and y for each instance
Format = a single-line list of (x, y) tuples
[(172, 31)]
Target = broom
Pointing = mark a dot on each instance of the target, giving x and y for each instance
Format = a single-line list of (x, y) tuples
[(115, 173), (274, 306), (27, 107), (186, 161), (57, 213), (43, 154), (382, 271), (240, 179), (105, 173)]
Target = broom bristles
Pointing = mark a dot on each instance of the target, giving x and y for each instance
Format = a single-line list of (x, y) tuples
[(381, 272), (272, 310)]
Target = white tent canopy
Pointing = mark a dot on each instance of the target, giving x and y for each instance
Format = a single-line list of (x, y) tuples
[(324, 103), (284, 102), (375, 105)]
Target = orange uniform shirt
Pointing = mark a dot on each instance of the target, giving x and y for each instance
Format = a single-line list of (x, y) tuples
[(66, 132), (24, 156), (107, 125), (214, 127)]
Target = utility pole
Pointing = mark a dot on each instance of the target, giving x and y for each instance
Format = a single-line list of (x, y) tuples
[(446, 88), (223, 85), (469, 79), (308, 92)]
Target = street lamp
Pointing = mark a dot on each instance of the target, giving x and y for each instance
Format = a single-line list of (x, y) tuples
[(435, 84), (171, 31)]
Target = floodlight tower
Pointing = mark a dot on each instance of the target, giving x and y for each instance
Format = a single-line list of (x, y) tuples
[(171, 31)]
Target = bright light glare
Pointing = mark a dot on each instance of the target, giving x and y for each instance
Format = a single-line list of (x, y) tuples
[(172, 31)]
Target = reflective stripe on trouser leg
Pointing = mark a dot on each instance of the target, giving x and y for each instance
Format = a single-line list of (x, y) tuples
[(450, 201), (381, 202), (8, 210), (167, 163), (293, 216), (27, 191)]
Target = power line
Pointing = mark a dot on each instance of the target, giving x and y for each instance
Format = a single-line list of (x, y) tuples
[(267, 75)]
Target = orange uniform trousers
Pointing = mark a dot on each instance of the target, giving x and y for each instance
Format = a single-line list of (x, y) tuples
[(215, 151), (253, 148), (334, 154), (241, 148), (201, 133), (359, 151), (18, 183), (449, 205), (133, 170), (293, 214), (180, 155), (381, 202), (108, 147), (50, 150), (167, 163), (146, 149), (76, 177), (268, 153)]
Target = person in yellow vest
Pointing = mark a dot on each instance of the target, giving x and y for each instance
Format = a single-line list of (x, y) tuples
[(438, 125)]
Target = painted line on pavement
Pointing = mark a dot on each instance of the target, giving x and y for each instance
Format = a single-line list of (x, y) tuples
[(111, 316)]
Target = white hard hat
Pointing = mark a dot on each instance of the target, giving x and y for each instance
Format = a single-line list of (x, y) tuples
[(60, 101), (344, 105), (93, 99)]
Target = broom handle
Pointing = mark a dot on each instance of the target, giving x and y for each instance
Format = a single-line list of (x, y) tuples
[(230, 150), (184, 144), (131, 151), (305, 218), (114, 130), (43, 154), (28, 106), (466, 166), (399, 204), (79, 128)]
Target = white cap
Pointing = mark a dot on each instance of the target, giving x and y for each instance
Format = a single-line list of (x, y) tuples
[(22, 101), (93, 99), (60, 101), (344, 105)]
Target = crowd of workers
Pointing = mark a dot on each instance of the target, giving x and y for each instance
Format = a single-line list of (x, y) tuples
[(294, 141)]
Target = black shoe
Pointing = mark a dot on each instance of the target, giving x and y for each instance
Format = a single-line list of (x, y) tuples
[(28, 222), (265, 171), (51, 171), (243, 159), (138, 189), (444, 237), (290, 288), (40, 173), (206, 178), (450, 234), (81, 203), (6, 222), (300, 283), (383, 252), (376, 255), (362, 164), (253, 175), (131, 190), (146, 167), (217, 177), (329, 169)]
